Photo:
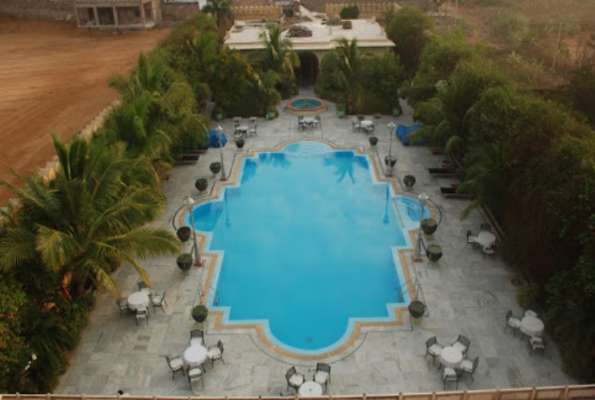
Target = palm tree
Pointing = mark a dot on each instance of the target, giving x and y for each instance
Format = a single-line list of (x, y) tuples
[(89, 219), (343, 69), (278, 55), (222, 11)]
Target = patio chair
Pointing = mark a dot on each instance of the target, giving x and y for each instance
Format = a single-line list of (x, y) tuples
[(141, 313), (195, 375), (294, 378), (322, 375), (123, 306), (237, 121), (175, 364), (537, 343), (159, 301), (143, 287), (462, 343), (469, 366), (197, 337), (215, 353), (356, 124), (512, 322), (530, 313), (450, 375), (433, 348), (253, 131), (488, 251), (471, 238), (317, 121)]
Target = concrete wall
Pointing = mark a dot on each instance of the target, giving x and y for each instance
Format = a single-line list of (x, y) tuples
[(249, 13), (366, 10), (39, 9), (175, 12), (320, 5)]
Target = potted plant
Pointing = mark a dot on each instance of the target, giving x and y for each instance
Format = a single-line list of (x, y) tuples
[(215, 167), (271, 113), (434, 252), (240, 143), (340, 110), (429, 226), (184, 261), (183, 233), (201, 184), (373, 140), (390, 161), (200, 313), (218, 114), (409, 181), (416, 309), (397, 111)]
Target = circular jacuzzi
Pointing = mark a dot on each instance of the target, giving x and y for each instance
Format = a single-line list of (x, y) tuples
[(306, 106)]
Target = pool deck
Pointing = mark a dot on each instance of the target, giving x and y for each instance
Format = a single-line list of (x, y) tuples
[(465, 294)]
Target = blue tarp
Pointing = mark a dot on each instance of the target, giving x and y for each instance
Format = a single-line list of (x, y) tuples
[(214, 138), (403, 132)]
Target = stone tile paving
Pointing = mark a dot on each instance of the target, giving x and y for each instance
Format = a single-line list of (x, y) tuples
[(465, 293)]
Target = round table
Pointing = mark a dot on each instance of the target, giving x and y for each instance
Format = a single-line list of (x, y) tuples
[(366, 123), (242, 130), (310, 389), (451, 357), (532, 326), (485, 238), (138, 300), (195, 356)]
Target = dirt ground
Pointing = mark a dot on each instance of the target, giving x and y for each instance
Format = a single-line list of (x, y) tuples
[(53, 77)]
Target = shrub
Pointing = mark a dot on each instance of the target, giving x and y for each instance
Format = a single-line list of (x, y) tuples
[(528, 295), (512, 27), (350, 12)]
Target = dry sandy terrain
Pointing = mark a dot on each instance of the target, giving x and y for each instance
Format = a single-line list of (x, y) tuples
[(53, 77)]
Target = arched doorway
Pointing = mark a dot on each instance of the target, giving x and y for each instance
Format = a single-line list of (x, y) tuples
[(307, 73)]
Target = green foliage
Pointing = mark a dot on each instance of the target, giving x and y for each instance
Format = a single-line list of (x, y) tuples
[(512, 27), (233, 82), (409, 29), (14, 353), (528, 295), (580, 89), (383, 76), (350, 12), (221, 9)]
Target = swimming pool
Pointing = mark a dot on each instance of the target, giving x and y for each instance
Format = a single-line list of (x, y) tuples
[(309, 242)]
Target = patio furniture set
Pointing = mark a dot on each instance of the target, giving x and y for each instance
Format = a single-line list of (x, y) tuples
[(313, 388), (453, 359), (484, 240), (529, 325), (242, 131), (309, 123), (138, 302), (360, 124), (191, 362)]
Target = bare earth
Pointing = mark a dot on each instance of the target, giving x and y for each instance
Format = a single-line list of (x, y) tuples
[(53, 77)]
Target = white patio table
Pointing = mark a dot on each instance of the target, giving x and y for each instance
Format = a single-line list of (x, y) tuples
[(310, 389), (485, 239), (451, 357), (195, 355), (138, 300), (532, 326)]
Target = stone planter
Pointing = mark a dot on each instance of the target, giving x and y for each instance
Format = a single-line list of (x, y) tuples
[(219, 116), (215, 167), (429, 226), (409, 181), (390, 161), (417, 309), (434, 252), (184, 261), (396, 111), (373, 140), (201, 184), (183, 233), (341, 113), (240, 143), (200, 313)]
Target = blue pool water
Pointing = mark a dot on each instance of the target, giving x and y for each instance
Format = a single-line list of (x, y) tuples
[(308, 241), (306, 104)]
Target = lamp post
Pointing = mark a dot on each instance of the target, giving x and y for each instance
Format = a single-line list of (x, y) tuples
[(220, 133), (189, 202), (423, 198), (390, 160)]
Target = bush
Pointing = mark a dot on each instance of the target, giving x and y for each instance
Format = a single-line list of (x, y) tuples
[(350, 12), (528, 296), (512, 27)]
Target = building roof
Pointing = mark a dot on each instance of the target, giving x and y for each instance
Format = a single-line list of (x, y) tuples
[(369, 34)]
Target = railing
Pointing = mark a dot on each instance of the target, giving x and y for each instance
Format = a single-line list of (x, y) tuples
[(568, 392)]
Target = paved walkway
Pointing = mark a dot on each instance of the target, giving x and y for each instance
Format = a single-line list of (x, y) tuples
[(465, 293)]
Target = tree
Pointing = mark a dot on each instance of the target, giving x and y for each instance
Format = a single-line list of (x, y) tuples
[(409, 28), (278, 56), (222, 11), (90, 220), (342, 73), (383, 77)]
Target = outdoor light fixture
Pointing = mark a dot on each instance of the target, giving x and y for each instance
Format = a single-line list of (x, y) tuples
[(423, 198), (220, 133), (390, 161), (189, 202)]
